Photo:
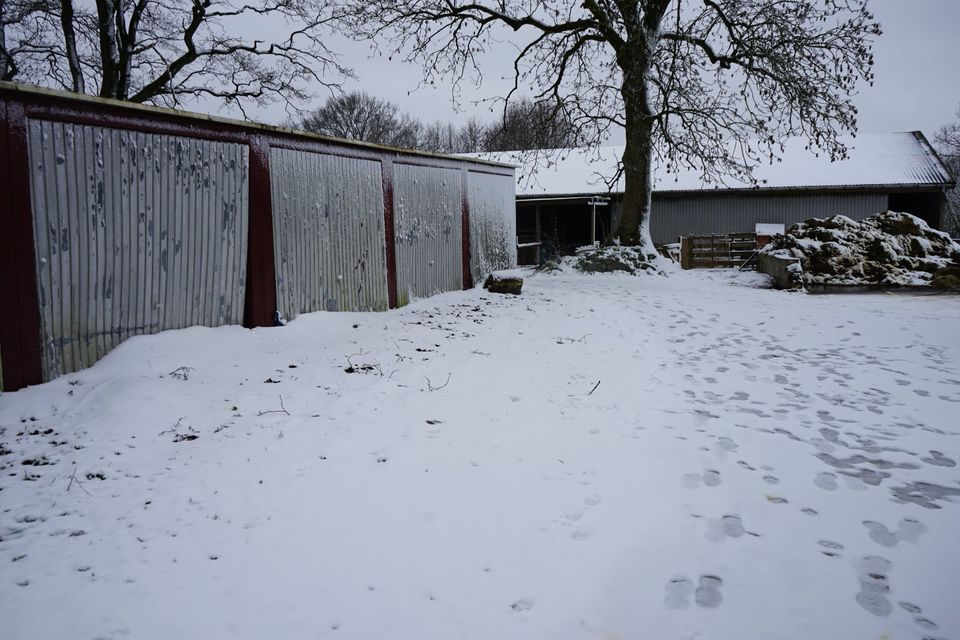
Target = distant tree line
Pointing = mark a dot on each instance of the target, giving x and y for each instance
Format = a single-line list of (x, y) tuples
[(523, 125)]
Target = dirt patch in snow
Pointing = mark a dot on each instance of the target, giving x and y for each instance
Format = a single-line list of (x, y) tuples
[(889, 249)]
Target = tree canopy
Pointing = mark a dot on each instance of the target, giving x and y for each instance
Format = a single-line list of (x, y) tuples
[(165, 51), (715, 85)]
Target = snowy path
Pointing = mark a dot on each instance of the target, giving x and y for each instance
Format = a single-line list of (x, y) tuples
[(753, 464)]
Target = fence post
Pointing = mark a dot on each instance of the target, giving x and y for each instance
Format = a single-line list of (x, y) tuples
[(686, 253), (261, 295), (20, 322)]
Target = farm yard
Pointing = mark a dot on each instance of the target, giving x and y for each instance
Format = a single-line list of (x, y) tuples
[(607, 456)]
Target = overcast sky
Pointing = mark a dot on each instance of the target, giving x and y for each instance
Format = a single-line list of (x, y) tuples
[(917, 74)]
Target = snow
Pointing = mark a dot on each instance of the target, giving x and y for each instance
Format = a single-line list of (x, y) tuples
[(605, 456), (769, 229), (880, 159)]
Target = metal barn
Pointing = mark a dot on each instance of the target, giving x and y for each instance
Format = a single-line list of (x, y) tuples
[(557, 206), (122, 220)]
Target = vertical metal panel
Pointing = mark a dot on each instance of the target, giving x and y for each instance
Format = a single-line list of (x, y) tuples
[(135, 233), (427, 210), (686, 214), (493, 223), (329, 248)]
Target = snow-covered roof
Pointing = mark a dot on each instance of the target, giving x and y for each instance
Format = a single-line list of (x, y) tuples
[(875, 160)]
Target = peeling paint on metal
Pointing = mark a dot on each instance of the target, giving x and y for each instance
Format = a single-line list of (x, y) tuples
[(329, 247), (135, 233)]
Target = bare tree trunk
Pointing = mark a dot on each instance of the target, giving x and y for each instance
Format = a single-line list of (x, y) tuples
[(7, 70), (109, 56), (634, 229), (70, 44)]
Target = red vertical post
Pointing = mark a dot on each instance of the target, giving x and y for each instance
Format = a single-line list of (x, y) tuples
[(20, 320), (389, 230), (261, 296), (465, 227)]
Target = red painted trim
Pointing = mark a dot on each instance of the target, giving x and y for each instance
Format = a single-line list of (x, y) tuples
[(20, 324), (465, 227), (261, 294), (389, 231)]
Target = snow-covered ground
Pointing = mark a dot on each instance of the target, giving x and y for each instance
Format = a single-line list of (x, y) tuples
[(602, 457)]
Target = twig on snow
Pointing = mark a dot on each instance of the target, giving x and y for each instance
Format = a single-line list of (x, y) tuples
[(594, 388), (74, 478), (433, 388), (282, 409)]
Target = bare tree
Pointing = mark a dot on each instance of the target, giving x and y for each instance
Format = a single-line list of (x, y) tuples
[(168, 51), (360, 116), (526, 125), (947, 141), (714, 85), (472, 137)]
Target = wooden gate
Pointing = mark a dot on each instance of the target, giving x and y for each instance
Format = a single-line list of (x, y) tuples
[(710, 251)]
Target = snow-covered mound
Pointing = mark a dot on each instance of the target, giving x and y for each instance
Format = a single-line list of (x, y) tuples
[(617, 258), (892, 249)]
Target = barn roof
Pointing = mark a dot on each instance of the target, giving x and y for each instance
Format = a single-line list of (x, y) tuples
[(887, 160)]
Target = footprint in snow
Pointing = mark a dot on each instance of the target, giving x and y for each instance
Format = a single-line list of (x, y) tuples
[(710, 477), (826, 481), (723, 446), (830, 548), (708, 594), (729, 526), (581, 533), (679, 591), (938, 459), (874, 585), (908, 530), (523, 604)]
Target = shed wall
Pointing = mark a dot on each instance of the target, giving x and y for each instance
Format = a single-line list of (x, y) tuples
[(329, 247), (135, 233), (122, 220), (686, 214), (493, 223), (428, 217)]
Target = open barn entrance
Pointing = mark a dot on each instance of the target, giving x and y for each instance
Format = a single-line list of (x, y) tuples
[(927, 205), (551, 227)]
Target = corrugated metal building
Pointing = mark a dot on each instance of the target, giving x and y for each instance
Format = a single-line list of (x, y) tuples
[(896, 171), (122, 220)]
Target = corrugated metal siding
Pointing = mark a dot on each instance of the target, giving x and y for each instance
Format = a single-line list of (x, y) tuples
[(427, 212), (135, 233), (692, 214), (493, 223), (329, 240)]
